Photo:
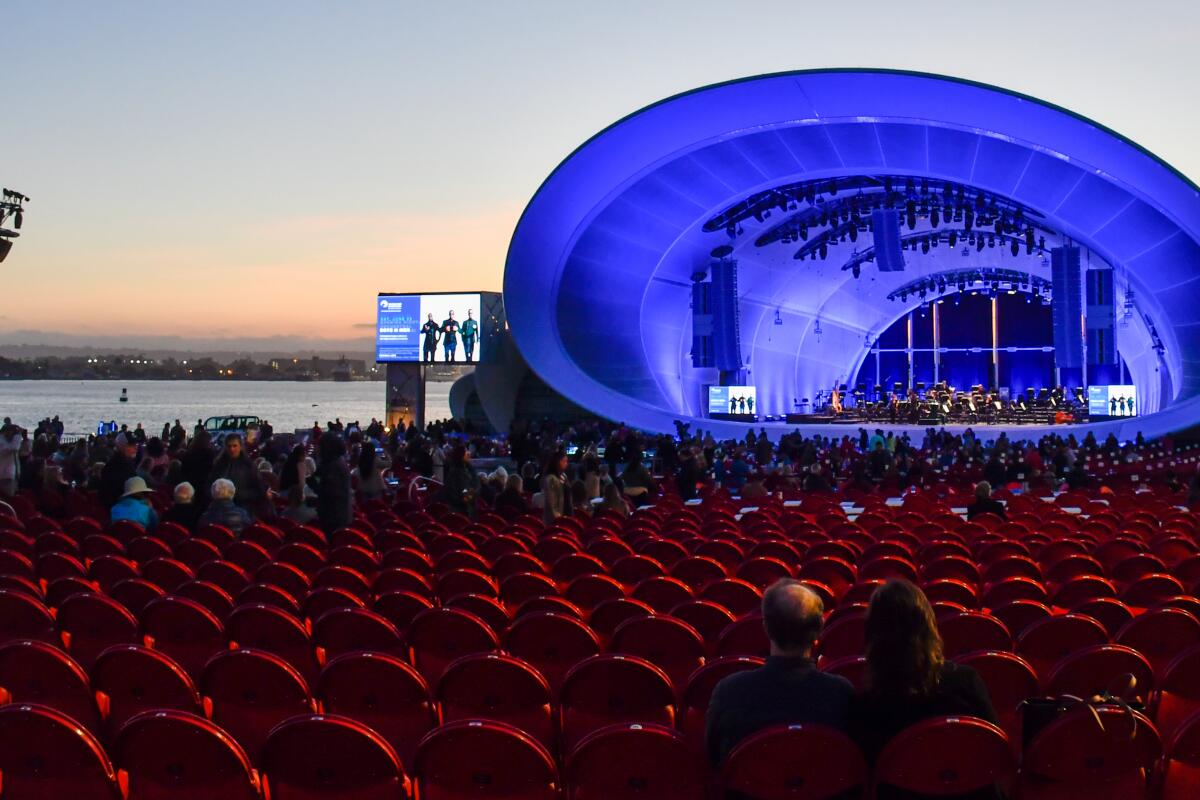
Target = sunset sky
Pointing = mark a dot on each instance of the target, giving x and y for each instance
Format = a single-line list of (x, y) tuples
[(237, 170)]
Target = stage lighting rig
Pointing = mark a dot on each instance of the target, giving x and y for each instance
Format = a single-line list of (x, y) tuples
[(12, 206)]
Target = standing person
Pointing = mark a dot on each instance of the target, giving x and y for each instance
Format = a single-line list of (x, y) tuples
[(120, 467), (556, 498), (462, 482), (197, 463), (234, 465), (431, 330), (470, 332), (368, 474), (335, 498), (450, 336), (13, 442), (908, 677)]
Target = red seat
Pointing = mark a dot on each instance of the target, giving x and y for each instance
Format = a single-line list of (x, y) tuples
[(1160, 634), (708, 618), (226, 574), (1010, 680), (804, 762), (401, 608), (1047, 642), (662, 593), (247, 554), (611, 689), (23, 616), (734, 594), (380, 691), (1096, 670), (36, 672), (1019, 615), (44, 755), (516, 589), (1108, 611), (440, 635), (286, 576), (745, 637), (498, 687), (1082, 754), (135, 594), (946, 756), (1178, 692), (108, 570), (698, 571), (697, 693), (1080, 590), (606, 617), (951, 590), (325, 755), (167, 574), (973, 630), (634, 760), (352, 630), (183, 629), (173, 755), (477, 758), (670, 644), (1014, 588), (327, 598), (1150, 590), (129, 679), (248, 692), (89, 623), (269, 595), (553, 643), (274, 630), (852, 668), (196, 552), (589, 591), (1181, 764), (845, 637)]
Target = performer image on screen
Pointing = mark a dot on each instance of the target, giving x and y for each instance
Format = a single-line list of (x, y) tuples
[(470, 332), (741, 405), (450, 336), (749, 405), (1131, 407), (733, 405), (431, 330)]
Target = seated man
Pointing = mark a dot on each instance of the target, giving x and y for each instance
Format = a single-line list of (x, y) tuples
[(984, 504), (788, 689)]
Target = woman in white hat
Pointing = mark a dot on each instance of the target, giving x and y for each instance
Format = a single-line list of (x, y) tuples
[(134, 504)]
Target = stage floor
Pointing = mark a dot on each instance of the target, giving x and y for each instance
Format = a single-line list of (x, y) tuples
[(1124, 429)]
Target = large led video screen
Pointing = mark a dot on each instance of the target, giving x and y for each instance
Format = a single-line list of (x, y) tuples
[(731, 399), (1112, 401), (429, 327)]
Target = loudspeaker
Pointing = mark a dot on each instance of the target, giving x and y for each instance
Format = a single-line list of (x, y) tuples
[(726, 323), (1101, 318), (702, 324), (885, 227), (1066, 308), (5, 246)]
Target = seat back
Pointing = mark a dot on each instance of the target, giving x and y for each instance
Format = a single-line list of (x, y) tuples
[(248, 692), (44, 754), (1181, 765), (1160, 634), (322, 754), (440, 635), (611, 689), (1095, 670), (499, 687), (174, 755), (804, 762), (1010, 680), (266, 627), (23, 616), (946, 756), (183, 629), (382, 692), (129, 679), (634, 760), (1105, 754), (35, 672), (88, 623), (551, 642), (473, 758)]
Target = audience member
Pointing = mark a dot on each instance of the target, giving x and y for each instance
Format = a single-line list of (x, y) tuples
[(788, 688), (185, 510), (335, 498), (984, 504), (134, 505), (222, 510)]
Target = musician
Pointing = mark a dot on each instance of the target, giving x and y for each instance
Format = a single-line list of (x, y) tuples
[(470, 332), (450, 337), (835, 400), (432, 333), (733, 405), (749, 405)]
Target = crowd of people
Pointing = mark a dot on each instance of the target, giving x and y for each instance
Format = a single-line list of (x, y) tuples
[(546, 468)]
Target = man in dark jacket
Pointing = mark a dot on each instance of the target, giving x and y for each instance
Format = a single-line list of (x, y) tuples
[(984, 504), (234, 465), (120, 467), (335, 498), (788, 689)]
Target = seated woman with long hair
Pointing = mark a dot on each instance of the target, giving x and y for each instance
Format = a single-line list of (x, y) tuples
[(908, 678)]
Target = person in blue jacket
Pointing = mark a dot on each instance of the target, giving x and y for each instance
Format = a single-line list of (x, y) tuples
[(450, 336), (470, 332)]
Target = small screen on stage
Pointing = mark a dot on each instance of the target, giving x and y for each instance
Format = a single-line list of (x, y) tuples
[(416, 327), (731, 400), (1112, 401)]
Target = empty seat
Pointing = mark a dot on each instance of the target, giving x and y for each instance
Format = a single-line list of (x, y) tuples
[(806, 762), (326, 755), (1010, 680), (1178, 692), (248, 692), (274, 630), (327, 598), (89, 623), (844, 637), (401, 608), (498, 687), (1096, 670), (1047, 642), (478, 758), (606, 617), (1160, 634), (440, 635), (734, 594), (129, 679), (1108, 611), (946, 756), (183, 629), (1019, 615), (707, 617), (36, 672), (1150, 590), (973, 630), (589, 591), (23, 616), (351, 630), (745, 637), (174, 755), (167, 573), (553, 643), (286, 576), (670, 644), (382, 692), (662, 593), (1181, 763), (135, 594), (611, 689), (634, 760), (45, 755), (486, 607), (1090, 752)]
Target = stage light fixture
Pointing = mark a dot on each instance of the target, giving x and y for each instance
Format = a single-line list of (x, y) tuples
[(933, 217), (1015, 248)]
